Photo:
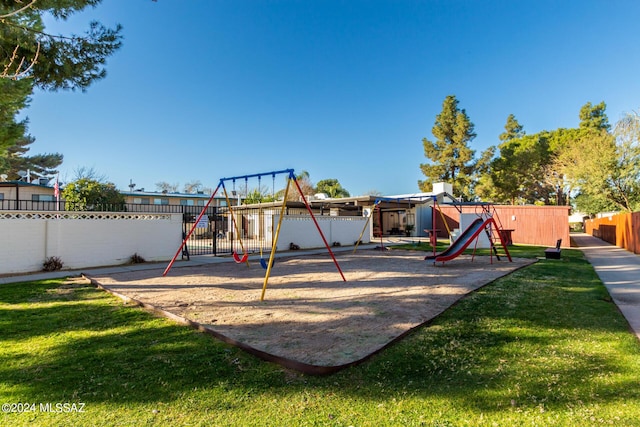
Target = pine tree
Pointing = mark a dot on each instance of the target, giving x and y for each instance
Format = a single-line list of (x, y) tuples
[(53, 62), (30, 58), (512, 129), (451, 158), (594, 117)]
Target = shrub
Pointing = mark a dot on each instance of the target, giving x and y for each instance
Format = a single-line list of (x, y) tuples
[(52, 263), (136, 259)]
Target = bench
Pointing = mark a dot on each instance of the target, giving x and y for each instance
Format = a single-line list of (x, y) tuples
[(553, 253)]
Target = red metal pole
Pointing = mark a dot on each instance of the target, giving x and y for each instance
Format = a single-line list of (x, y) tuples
[(292, 177), (184, 242), (434, 238)]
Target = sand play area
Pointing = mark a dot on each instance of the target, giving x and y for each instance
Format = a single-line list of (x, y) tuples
[(311, 320)]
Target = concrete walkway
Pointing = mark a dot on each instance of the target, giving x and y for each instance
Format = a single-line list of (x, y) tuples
[(619, 270)]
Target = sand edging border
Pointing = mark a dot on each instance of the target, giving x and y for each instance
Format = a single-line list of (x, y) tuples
[(288, 363)]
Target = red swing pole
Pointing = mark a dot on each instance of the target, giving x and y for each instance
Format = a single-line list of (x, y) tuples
[(184, 241), (293, 178), (434, 238)]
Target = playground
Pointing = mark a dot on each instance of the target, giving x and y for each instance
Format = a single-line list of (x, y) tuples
[(317, 314), (311, 319)]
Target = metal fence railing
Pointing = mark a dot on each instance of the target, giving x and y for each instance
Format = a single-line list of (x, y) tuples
[(29, 205), (215, 233)]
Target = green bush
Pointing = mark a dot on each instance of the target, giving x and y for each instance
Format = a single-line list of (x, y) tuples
[(52, 263)]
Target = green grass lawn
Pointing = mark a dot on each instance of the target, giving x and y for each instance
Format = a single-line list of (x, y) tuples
[(544, 346)]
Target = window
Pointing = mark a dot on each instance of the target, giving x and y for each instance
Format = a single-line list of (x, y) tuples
[(1, 196), (141, 200), (186, 202), (43, 198), (160, 201), (201, 203)]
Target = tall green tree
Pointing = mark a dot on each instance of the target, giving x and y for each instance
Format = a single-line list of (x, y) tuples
[(627, 176), (583, 158), (542, 168), (603, 168), (451, 159), (16, 159), (32, 58), (492, 187), (518, 173), (586, 163), (512, 129), (594, 117), (53, 62), (13, 97)]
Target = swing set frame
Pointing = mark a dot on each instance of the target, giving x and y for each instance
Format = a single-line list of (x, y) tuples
[(291, 179)]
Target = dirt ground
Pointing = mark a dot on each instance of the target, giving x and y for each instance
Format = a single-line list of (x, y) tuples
[(309, 314)]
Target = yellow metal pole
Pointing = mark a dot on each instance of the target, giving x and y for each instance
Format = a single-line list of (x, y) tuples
[(445, 221), (275, 240), (365, 227)]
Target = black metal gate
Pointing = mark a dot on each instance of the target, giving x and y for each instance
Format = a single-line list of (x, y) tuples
[(215, 233), (203, 239)]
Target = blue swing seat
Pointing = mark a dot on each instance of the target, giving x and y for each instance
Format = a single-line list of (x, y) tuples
[(265, 264)]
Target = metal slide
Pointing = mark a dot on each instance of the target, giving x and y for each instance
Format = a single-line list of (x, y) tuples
[(462, 242)]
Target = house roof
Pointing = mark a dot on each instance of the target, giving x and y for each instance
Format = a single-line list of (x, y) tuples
[(170, 195), (23, 184)]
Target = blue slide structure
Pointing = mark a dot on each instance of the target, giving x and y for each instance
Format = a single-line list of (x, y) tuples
[(465, 239)]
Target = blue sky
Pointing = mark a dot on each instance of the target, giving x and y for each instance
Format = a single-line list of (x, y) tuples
[(205, 89)]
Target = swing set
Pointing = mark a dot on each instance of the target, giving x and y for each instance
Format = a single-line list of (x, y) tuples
[(267, 265), (245, 257)]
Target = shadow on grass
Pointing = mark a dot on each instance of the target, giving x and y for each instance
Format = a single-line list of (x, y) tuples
[(546, 334), (89, 347)]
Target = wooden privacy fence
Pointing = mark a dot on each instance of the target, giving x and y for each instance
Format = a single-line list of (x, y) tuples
[(622, 230), (529, 225)]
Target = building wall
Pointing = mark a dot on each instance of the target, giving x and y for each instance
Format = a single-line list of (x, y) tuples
[(26, 192), (139, 201), (530, 225), (170, 200), (85, 239), (301, 231)]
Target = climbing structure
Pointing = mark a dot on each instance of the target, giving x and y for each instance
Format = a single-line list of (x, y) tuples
[(486, 222)]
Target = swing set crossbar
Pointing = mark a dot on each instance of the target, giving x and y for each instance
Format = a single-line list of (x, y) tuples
[(259, 175)]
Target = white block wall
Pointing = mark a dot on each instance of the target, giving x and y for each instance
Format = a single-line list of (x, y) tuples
[(465, 221), (302, 231), (84, 239)]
